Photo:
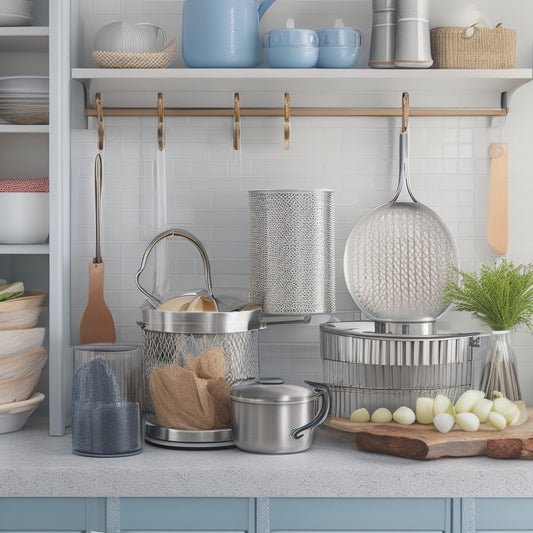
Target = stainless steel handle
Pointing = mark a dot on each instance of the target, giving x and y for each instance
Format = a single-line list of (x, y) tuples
[(174, 232), (97, 203), (322, 414)]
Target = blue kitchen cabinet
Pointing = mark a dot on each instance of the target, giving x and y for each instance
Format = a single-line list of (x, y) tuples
[(52, 514), (236, 515), (499, 515), (361, 514)]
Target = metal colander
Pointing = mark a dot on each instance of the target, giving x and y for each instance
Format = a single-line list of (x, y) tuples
[(292, 251)]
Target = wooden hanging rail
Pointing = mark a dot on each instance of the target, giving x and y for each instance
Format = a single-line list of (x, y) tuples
[(296, 112)]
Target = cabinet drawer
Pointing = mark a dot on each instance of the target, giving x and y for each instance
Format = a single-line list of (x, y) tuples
[(504, 514), (187, 514), (360, 514)]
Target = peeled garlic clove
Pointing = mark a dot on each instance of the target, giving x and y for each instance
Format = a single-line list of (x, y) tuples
[(442, 404), (507, 408), (522, 413), (403, 415), (444, 422), (381, 415), (482, 408), (360, 415), (467, 421), (424, 410), (465, 403), (496, 420)]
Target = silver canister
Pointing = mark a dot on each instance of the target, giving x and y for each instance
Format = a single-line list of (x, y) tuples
[(383, 39), (292, 251), (269, 416), (413, 48)]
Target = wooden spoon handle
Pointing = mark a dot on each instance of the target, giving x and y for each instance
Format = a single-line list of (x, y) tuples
[(498, 218)]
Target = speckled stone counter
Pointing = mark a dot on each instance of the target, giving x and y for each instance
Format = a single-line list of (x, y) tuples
[(35, 464)]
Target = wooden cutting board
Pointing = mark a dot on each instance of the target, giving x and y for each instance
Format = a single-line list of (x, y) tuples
[(423, 442)]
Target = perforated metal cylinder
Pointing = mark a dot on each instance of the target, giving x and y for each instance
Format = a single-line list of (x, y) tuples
[(292, 251)]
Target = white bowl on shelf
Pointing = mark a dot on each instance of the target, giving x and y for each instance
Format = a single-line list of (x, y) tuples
[(24, 217), (14, 415), (20, 319)]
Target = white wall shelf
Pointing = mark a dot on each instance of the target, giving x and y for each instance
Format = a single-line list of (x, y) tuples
[(24, 128), (24, 249), (24, 39), (361, 88)]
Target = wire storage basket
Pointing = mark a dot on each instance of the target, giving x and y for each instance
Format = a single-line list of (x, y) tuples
[(292, 251), (372, 370), (190, 361)]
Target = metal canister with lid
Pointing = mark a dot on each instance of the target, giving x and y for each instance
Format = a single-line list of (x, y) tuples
[(270, 416)]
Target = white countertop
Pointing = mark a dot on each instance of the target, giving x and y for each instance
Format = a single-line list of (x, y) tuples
[(34, 464)]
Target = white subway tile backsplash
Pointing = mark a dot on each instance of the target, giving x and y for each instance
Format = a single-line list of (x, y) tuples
[(207, 190)]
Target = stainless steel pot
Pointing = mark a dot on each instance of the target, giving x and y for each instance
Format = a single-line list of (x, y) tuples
[(269, 416)]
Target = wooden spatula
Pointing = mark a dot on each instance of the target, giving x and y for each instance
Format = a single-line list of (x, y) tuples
[(498, 224), (97, 322)]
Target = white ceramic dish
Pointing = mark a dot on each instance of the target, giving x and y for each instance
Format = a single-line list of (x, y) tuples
[(9, 19), (14, 415), (24, 217), (24, 84), (17, 341)]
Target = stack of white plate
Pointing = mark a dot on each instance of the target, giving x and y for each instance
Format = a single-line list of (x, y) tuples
[(24, 99), (16, 12)]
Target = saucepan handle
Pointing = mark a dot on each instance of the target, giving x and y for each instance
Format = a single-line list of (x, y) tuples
[(323, 412)]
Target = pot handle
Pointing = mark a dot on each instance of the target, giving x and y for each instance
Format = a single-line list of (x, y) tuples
[(322, 414), (174, 232)]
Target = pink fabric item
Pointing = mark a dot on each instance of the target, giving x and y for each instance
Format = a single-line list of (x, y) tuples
[(24, 185)]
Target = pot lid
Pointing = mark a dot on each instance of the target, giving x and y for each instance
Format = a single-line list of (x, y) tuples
[(290, 36), (340, 35), (269, 390)]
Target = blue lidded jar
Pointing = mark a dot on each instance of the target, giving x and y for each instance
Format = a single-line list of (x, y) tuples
[(339, 46), (291, 47)]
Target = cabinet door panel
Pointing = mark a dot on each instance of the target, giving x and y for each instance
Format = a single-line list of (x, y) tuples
[(359, 514), (52, 514), (497, 515), (229, 515)]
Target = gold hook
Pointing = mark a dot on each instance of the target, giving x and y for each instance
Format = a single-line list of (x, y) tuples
[(405, 111), (100, 118), (236, 121), (160, 121), (287, 122)]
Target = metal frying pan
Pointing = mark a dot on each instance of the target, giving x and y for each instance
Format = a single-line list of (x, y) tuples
[(398, 256)]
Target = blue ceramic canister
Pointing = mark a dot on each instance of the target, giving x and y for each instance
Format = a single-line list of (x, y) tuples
[(291, 47), (222, 33), (339, 46)]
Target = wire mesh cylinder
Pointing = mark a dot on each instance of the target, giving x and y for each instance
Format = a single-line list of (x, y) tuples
[(292, 251)]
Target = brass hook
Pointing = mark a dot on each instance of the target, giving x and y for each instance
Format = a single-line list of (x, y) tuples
[(160, 121), (287, 122), (100, 118), (236, 121), (405, 111)]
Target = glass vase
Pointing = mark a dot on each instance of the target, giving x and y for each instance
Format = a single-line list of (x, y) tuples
[(500, 372)]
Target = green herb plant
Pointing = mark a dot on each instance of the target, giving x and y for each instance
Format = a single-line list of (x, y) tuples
[(501, 297)]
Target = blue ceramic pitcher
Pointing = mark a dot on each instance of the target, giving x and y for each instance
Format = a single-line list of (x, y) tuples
[(222, 33)]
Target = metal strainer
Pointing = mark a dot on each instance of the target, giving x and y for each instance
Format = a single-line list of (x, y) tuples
[(398, 256)]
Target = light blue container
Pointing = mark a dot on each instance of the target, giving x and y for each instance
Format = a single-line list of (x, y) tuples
[(222, 33), (339, 46), (291, 47)]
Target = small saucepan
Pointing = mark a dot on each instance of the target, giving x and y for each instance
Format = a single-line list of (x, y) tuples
[(270, 416)]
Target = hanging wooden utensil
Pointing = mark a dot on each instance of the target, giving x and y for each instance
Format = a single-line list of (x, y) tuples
[(97, 322), (498, 218)]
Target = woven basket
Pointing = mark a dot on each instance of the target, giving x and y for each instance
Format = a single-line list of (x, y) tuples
[(473, 47), (161, 59)]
